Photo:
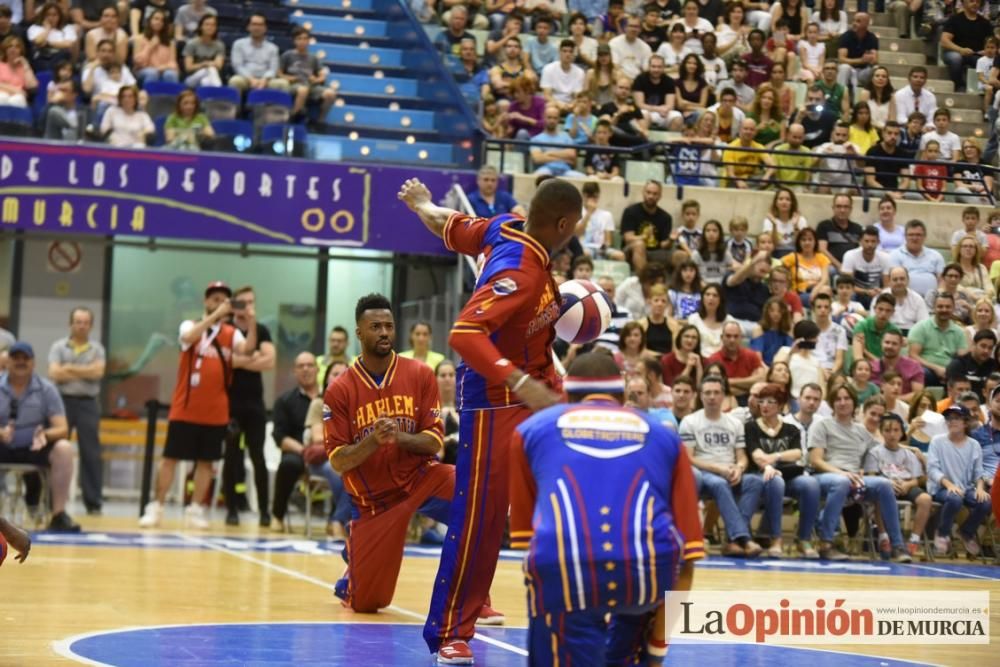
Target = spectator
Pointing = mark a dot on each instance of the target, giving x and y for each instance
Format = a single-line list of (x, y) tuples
[(772, 332), (420, 345), (890, 235), (775, 453), (784, 221), (950, 283), (685, 359), (839, 233), (601, 79), (988, 436), (306, 75), (978, 364), (10, 25), (955, 478), (902, 11), (808, 268), (984, 65), (962, 40), (526, 116), (709, 319), (632, 350), (862, 132), (17, 79), (187, 128), (656, 326), (199, 410), (717, 448), (886, 168), (742, 166), (52, 38), (581, 124), (511, 67), (692, 89), (660, 395), (651, 31), (732, 33), (923, 265), (857, 53), (950, 143), (710, 254), (76, 366), (695, 26), (599, 226), (831, 340), (879, 97), (746, 293), (336, 350), (630, 53), (911, 307), (869, 332), (860, 382), (837, 450), (129, 126), (448, 40), (743, 366), (154, 51), (143, 9), (104, 78), (602, 164), (728, 117), (639, 397), (867, 265), (794, 170), (488, 200), (632, 295), (477, 14), (35, 432), (968, 255), (669, 10), (759, 15), (550, 160), (745, 95), (758, 64), (554, 9), (655, 95), (984, 318), (255, 60), (584, 46), (929, 178), (612, 23), (542, 50), (846, 309), (936, 340), (205, 55), (189, 18), (561, 80), (972, 182), (812, 55), (646, 229), (109, 27), (832, 20), (685, 290), (715, 66), (914, 98), (61, 119)]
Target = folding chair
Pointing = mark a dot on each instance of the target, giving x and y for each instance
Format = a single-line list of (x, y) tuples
[(19, 507)]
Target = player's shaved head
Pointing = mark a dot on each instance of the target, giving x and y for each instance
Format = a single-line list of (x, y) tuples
[(593, 365), (554, 211)]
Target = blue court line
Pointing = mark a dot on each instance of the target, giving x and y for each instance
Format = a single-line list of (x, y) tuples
[(330, 548)]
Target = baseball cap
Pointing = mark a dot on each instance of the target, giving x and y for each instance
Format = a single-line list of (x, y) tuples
[(21, 347), (218, 286), (956, 411)]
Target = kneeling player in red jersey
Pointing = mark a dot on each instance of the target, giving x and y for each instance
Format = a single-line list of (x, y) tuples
[(16, 538), (609, 516)]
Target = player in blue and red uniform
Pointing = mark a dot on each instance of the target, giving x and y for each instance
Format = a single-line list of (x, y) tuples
[(609, 516), (504, 335)]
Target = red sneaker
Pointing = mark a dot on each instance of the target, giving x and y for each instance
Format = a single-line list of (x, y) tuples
[(490, 616), (455, 652)]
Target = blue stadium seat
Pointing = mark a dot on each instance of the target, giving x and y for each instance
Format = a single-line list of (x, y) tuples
[(41, 93), (219, 102), (269, 106), (282, 139), (232, 136), (162, 97), (16, 121), (160, 137)]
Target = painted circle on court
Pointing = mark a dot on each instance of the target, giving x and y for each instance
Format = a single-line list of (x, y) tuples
[(65, 256)]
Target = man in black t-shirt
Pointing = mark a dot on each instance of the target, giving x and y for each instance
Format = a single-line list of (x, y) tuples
[(857, 53), (654, 93), (838, 234), (651, 31), (893, 175), (646, 229), (962, 40), (667, 10), (247, 416), (629, 126)]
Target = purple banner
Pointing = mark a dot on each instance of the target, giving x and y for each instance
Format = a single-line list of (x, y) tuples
[(214, 197)]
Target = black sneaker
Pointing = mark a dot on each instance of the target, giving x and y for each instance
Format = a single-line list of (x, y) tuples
[(265, 519), (62, 523), (232, 518)]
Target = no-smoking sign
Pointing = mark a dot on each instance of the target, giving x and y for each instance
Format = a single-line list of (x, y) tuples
[(64, 257)]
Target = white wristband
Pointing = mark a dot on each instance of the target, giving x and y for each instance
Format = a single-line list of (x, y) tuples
[(520, 383)]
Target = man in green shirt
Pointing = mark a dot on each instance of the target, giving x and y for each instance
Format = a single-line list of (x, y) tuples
[(836, 94), (868, 333), (792, 169), (934, 342)]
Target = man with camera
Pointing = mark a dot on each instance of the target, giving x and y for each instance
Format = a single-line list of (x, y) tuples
[(199, 409), (247, 414), (34, 431)]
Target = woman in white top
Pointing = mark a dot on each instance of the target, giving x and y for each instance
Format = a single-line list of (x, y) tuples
[(710, 318), (586, 47), (890, 234), (129, 127), (53, 37), (983, 317), (732, 33), (878, 95), (784, 220), (694, 26), (812, 55), (832, 20), (673, 50)]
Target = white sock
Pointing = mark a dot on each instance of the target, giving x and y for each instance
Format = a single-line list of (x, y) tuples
[(914, 538)]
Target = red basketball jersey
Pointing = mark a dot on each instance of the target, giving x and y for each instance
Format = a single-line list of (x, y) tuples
[(408, 393)]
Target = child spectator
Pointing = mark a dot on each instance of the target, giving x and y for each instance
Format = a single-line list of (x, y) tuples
[(970, 227), (711, 256), (930, 178), (860, 380), (949, 144), (955, 478), (599, 226), (603, 165), (780, 44), (845, 310), (910, 136), (61, 119), (903, 469), (659, 336), (582, 268), (306, 75), (688, 236), (983, 67), (685, 290), (773, 331), (580, 124), (738, 245), (812, 55)]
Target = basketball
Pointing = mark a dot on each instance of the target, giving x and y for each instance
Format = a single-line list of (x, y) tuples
[(585, 312)]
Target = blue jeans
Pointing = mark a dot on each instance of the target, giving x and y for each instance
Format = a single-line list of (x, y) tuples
[(877, 490), (957, 64), (148, 74), (805, 489), (951, 504), (735, 515), (341, 499)]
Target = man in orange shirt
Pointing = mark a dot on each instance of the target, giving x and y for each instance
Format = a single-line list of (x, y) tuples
[(382, 422), (199, 409)]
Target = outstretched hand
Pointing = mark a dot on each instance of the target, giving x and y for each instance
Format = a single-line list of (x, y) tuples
[(414, 193), (16, 538)]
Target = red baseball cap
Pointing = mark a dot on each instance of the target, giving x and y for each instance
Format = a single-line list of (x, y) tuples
[(218, 286)]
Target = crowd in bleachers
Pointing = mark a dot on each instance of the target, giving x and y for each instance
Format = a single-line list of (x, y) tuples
[(742, 75), (849, 321), (154, 73)]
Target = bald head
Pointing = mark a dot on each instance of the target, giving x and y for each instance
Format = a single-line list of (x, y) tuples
[(796, 135)]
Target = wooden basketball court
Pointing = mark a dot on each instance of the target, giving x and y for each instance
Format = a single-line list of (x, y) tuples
[(115, 596)]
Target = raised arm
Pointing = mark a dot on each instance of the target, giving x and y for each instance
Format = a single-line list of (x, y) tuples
[(416, 195)]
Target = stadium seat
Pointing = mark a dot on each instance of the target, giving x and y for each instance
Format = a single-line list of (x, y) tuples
[(160, 137), (269, 106), (219, 102), (16, 121), (282, 139), (162, 97), (232, 136)]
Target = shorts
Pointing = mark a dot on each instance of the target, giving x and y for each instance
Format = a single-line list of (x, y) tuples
[(315, 90), (912, 494), (194, 442), (26, 455)]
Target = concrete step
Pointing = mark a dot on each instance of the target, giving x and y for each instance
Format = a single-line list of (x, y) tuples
[(937, 86), (939, 72)]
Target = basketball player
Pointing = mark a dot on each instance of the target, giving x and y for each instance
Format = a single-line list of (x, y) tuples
[(504, 335), (382, 428), (609, 516), (16, 538)]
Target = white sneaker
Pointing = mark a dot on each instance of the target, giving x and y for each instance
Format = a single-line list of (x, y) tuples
[(194, 517), (152, 515), (942, 546)]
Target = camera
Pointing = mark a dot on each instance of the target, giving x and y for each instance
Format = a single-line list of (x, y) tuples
[(814, 108)]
